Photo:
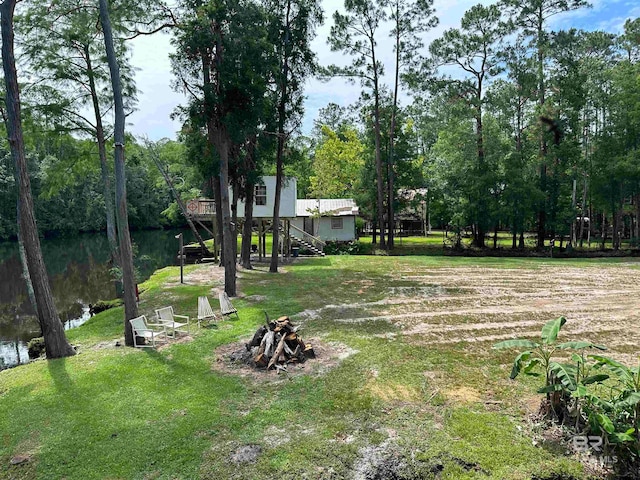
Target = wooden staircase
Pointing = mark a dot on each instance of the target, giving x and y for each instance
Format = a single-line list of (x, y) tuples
[(305, 240)]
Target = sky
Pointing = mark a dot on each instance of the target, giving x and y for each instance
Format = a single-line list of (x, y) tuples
[(157, 100)]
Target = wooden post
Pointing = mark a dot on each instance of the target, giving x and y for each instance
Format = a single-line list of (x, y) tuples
[(214, 225), (289, 239), (260, 240)]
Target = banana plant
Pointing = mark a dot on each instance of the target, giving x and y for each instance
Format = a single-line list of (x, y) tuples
[(558, 376), (627, 401)]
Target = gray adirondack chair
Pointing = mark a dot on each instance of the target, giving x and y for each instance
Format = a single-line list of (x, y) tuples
[(151, 332), (166, 317), (205, 312), (226, 307)]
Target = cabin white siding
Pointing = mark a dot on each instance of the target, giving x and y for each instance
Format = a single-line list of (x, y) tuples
[(288, 197)]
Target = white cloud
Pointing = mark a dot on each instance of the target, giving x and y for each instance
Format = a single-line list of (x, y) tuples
[(158, 100)]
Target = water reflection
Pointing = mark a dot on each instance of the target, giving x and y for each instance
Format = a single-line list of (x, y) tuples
[(80, 274)]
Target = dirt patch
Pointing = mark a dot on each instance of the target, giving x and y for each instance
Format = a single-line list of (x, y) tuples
[(393, 392), (328, 355), (246, 454), (463, 395), (478, 305), (205, 274)]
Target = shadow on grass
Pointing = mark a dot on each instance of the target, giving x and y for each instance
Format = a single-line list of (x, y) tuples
[(58, 371)]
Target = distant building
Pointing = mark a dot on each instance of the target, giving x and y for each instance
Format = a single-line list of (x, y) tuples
[(264, 198), (327, 219)]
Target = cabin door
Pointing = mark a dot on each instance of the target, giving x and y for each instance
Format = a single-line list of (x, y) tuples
[(308, 225)]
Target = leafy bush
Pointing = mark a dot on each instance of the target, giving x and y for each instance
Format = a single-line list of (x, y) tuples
[(346, 248), (580, 394), (35, 347)]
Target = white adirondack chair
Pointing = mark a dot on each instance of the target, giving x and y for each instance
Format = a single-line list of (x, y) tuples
[(142, 329), (166, 317), (205, 312), (226, 307)]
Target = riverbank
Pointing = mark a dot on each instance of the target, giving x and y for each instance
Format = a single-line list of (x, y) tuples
[(414, 389)]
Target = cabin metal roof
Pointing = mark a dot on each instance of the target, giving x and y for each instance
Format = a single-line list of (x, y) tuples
[(328, 207)]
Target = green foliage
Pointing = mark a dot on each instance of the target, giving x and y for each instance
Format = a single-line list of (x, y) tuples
[(338, 160), (603, 404), (346, 248)]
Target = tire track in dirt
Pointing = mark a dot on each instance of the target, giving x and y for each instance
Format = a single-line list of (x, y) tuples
[(475, 304)]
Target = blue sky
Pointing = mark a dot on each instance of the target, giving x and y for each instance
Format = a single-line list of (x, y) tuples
[(157, 100)]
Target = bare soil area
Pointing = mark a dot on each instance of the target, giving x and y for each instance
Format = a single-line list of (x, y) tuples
[(479, 305)]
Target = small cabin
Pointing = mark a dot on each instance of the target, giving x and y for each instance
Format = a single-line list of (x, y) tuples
[(330, 220), (264, 198)]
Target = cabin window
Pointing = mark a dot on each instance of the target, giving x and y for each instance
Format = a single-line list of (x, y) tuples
[(336, 223), (261, 195)]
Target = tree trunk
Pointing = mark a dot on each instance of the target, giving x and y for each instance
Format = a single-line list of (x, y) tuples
[(126, 253), (376, 126), (584, 210), (245, 250), (228, 258), (392, 129), (104, 168), (234, 217), (282, 104), (542, 216), (176, 195), (480, 201), (56, 344)]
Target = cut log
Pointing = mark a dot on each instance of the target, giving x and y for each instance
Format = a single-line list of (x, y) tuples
[(308, 351), (277, 353), (257, 337), (287, 349), (260, 360), (269, 340)]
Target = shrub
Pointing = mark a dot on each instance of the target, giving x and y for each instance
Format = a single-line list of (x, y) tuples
[(35, 347), (579, 393), (346, 248)]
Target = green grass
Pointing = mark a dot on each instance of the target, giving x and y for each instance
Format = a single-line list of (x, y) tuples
[(120, 413)]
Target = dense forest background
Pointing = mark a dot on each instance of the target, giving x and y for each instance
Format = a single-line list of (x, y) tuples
[(510, 125)]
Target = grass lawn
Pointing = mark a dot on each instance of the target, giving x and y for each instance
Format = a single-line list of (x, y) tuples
[(416, 392)]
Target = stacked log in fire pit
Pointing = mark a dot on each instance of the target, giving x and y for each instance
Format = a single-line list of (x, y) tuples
[(277, 344)]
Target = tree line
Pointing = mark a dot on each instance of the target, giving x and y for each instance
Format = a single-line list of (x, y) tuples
[(510, 124)]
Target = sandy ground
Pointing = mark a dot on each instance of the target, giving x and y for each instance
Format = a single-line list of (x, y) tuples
[(473, 304)]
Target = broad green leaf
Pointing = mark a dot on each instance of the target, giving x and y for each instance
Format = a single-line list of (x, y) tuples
[(605, 422), (630, 400), (601, 377), (621, 437), (619, 369), (551, 329), (581, 391), (565, 373), (528, 370), (580, 345), (517, 364), (596, 400), (556, 387), (516, 342)]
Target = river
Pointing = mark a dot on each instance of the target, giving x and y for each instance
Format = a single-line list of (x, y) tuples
[(79, 272)]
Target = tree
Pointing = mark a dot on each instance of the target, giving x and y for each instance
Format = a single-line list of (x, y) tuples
[(410, 18), (224, 61), (124, 240), (473, 48), (56, 343), (532, 18), (292, 29), (355, 34), (338, 160)]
